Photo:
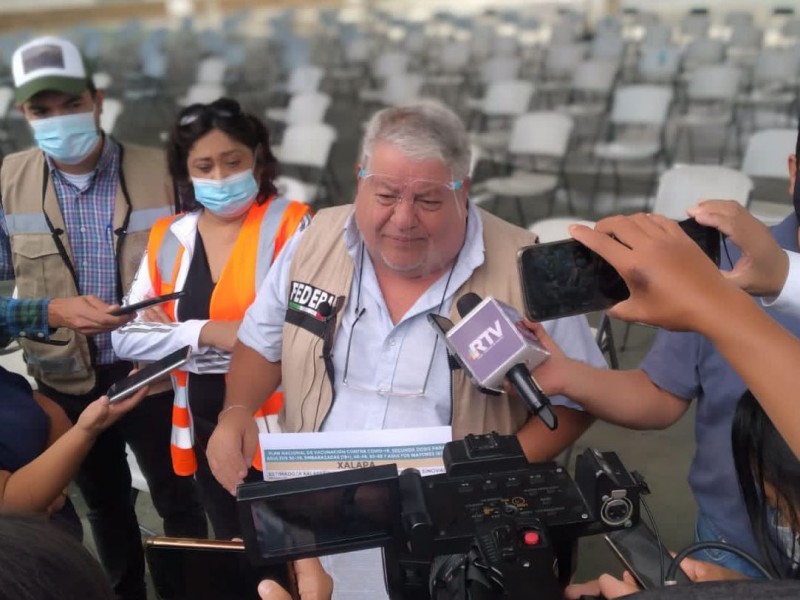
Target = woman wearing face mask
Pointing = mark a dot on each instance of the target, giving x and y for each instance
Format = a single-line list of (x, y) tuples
[(217, 251)]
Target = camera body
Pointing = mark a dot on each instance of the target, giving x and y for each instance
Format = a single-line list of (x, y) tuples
[(491, 526)]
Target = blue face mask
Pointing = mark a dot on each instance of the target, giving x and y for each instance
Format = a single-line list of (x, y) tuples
[(229, 197), (66, 138)]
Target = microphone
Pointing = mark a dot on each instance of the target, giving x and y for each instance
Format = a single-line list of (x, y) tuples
[(492, 347)]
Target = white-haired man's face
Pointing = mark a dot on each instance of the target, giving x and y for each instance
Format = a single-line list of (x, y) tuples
[(411, 213)]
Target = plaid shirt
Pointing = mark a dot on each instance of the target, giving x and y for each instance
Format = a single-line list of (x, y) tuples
[(24, 318), (88, 216)]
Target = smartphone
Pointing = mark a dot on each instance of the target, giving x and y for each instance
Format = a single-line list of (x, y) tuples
[(147, 374), (565, 278), (132, 308), (640, 552), (189, 569)]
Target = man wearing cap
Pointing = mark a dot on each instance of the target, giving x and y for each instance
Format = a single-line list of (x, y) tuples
[(75, 220)]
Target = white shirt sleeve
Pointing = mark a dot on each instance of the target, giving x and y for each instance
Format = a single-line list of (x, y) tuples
[(149, 341), (262, 327), (576, 339), (788, 300)]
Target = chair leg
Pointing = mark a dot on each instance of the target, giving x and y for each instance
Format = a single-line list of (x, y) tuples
[(605, 340), (520, 212), (568, 192), (617, 181), (595, 185), (625, 335)]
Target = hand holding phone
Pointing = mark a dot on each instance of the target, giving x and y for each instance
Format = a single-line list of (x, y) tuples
[(129, 385), (640, 552), (189, 569), (566, 278), (101, 414)]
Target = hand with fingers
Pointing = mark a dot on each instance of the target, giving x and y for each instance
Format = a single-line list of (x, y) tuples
[(85, 314), (763, 266), (606, 586), (673, 284), (313, 583)]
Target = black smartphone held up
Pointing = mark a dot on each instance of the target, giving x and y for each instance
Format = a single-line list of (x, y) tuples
[(640, 552), (132, 308), (189, 569), (565, 278), (125, 387)]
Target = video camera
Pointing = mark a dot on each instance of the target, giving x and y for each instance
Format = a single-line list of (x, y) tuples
[(492, 526)]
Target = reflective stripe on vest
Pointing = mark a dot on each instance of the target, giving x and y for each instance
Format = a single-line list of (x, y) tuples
[(229, 301), (181, 443)]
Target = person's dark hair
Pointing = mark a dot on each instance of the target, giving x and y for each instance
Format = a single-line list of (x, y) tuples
[(226, 115), (41, 562), (762, 456)]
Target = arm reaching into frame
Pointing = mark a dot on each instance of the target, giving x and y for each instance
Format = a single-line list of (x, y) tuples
[(675, 286)]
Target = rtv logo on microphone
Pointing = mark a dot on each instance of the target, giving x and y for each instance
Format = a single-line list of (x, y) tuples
[(485, 341)]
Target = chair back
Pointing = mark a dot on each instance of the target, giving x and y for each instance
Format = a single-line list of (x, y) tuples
[(112, 109), (307, 108), (211, 70), (541, 133), (203, 93), (307, 144), (641, 105), (508, 98), (556, 228), (714, 83), (766, 152), (595, 77), (304, 79), (684, 186)]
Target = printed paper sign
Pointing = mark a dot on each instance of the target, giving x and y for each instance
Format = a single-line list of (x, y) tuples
[(298, 454)]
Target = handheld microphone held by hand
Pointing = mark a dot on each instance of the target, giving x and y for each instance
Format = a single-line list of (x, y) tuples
[(492, 348)]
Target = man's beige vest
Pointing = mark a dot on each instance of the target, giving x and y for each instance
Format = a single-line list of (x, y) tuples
[(323, 262), (40, 271)]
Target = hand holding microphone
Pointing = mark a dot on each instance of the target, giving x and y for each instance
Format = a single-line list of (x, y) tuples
[(492, 348)]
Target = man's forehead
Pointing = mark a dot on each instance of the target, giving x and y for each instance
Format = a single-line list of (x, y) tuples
[(389, 159)]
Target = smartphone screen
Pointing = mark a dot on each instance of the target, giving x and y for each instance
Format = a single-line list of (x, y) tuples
[(637, 548), (565, 278), (340, 511), (207, 570), (125, 387)]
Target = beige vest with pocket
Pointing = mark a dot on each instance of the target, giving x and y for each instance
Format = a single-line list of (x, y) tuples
[(322, 261), (39, 269)]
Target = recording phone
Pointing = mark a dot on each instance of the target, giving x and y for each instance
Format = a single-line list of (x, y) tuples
[(566, 278), (190, 569), (131, 384), (641, 553)]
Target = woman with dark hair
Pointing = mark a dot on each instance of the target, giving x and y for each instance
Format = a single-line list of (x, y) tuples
[(217, 251), (769, 476)]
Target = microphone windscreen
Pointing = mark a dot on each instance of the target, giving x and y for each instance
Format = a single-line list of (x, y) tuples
[(325, 309), (467, 303)]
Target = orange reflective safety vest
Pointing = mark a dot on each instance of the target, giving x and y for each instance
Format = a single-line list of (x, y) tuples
[(264, 232)]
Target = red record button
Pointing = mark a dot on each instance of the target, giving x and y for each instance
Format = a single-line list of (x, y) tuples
[(531, 538)]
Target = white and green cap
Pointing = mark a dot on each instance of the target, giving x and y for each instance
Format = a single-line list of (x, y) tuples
[(48, 64)]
